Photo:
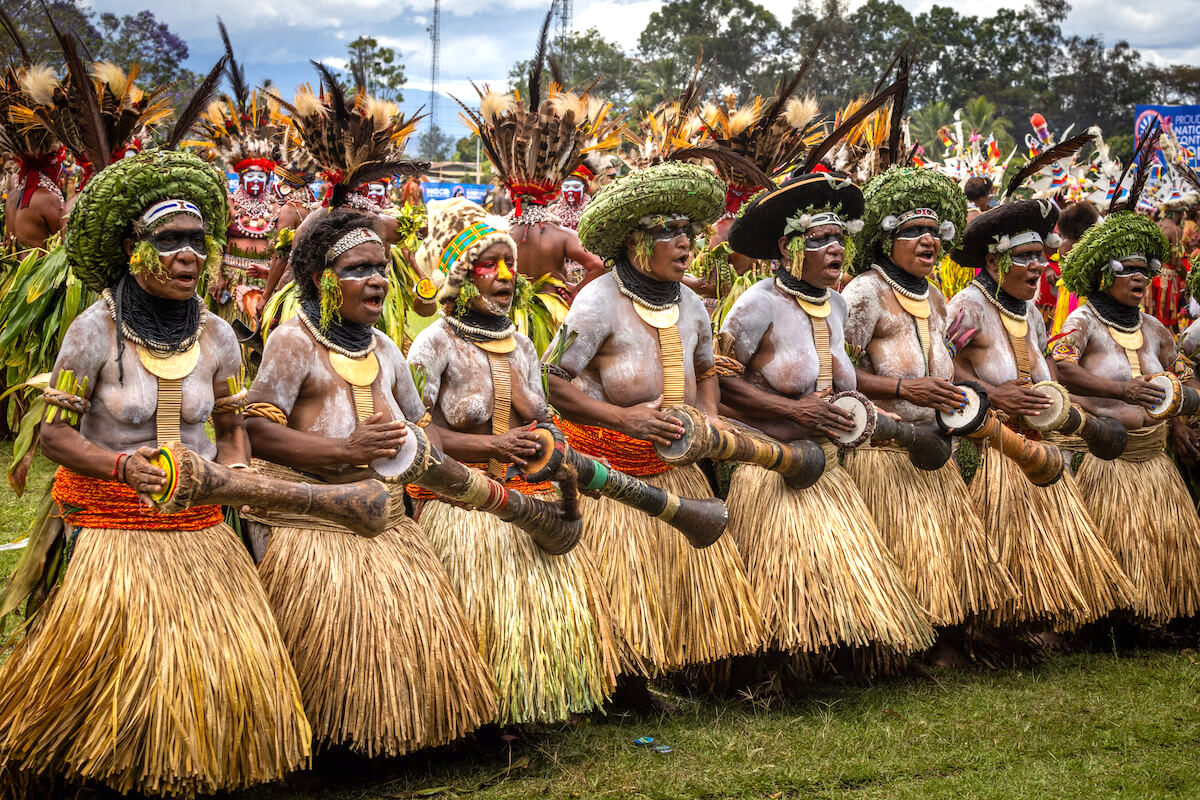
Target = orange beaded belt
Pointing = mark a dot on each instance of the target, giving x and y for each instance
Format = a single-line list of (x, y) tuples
[(625, 453), (97, 503)]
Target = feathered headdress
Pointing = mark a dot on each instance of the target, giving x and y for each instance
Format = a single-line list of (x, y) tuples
[(772, 134), (97, 114), (353, 141), (238, 130), (35, 148), (674, 124), (535, 142), (867, 137)]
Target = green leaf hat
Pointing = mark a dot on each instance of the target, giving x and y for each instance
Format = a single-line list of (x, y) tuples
[(667, 188), (103, 215)]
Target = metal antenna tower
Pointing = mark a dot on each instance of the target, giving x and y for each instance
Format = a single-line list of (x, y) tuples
[(435, 39), (563, 23)]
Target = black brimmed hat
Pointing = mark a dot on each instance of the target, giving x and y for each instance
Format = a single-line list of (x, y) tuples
[(756, 231)]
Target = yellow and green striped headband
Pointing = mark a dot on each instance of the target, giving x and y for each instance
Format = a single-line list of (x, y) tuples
[(459, 244)]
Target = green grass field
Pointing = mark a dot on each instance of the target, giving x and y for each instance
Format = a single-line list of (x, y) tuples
[(1122, 724)]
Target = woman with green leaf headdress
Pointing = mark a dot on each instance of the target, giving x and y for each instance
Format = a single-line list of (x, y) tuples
[(818, 564), (896, 331), (541, 621), (1063, 569), (1108, 351), (160, 623)]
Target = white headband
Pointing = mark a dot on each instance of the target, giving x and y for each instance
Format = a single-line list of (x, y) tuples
[(349, 240), (167, 207), (806, 222)]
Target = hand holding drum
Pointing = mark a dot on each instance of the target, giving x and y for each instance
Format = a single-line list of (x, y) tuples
[(1105, 436), (801, 462), (422, 464), (361, 506), (1041, 462), (928, 448), (702, 520), (1178, 400)]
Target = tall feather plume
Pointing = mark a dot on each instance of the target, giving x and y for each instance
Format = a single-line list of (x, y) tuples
[(556, 73), (14, 34), (723, 156), (234, 71), (539, 61), (1142, 155), (79, 91), (819, 151), (195, 105), (1187, 173), (1056, 153), (895, 127)]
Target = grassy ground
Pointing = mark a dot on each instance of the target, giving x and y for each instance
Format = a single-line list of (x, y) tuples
[(1091, 725), (1080, 726)]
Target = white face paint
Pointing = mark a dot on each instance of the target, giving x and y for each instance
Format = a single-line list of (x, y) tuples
[(254, 181), (572, 191), (377, 193)]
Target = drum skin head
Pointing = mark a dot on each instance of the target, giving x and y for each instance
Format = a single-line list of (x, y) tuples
[(1161, 410), (679, 447), (1053, 417), (864, 418), (400, 463), (968, 419)]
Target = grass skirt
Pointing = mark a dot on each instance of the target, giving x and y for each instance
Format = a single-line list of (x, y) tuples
[(929, 523), (1144, 512), (541, 621), (819, 569), (155, 668), (1064, 572), (385, 659), (673, 605)]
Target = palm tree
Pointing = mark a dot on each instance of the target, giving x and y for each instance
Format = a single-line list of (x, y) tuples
[(979, 115), (924, 126)]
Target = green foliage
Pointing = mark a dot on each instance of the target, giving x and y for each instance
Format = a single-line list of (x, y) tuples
[(379, 68), (434, 145), (583, 57)]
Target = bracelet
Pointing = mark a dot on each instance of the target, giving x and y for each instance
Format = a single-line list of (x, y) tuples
[(125, 469), (117, 465), (238, 465), (898, 386)]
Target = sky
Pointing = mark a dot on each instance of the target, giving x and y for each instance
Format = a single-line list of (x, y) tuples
[(481, 39)]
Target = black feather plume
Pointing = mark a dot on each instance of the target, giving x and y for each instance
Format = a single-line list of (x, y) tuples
[(14, 34), (556, 73), (821, 150), (1141, 156), (198, 102), (1185, 170), (897, 119), (723, 155), (1056, 153), (237, 76), (539, 62), (89, 119), (337, 98)]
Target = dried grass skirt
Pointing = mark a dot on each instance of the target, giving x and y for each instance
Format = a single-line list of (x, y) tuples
[(1144, 512), (672, 604), (819, 568), (156, 667), (541, 622), (929, 523), (386, 662), (1064, 571)]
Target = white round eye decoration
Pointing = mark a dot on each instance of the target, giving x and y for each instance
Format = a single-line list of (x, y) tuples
[(805, 221), (1054, 240), (854, 226), (947, 230), (1117, 266), (1155, 263), (1002, 246), (890, 223)]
